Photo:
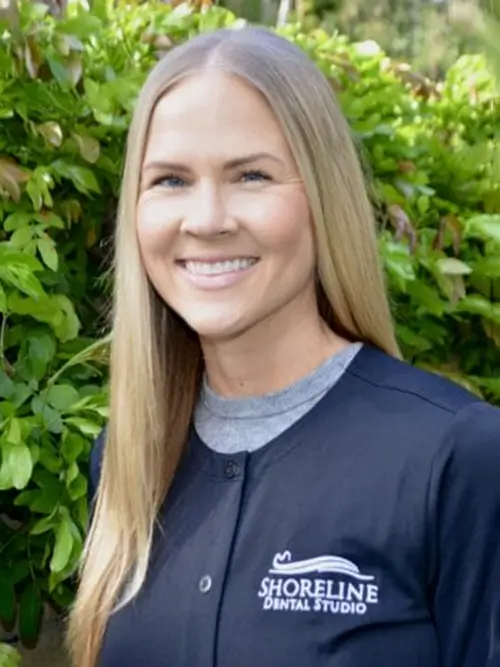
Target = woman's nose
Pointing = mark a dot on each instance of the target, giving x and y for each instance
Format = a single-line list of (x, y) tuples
[(207, 214)]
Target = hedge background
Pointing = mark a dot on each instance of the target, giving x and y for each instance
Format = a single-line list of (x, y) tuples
[(67, 87)]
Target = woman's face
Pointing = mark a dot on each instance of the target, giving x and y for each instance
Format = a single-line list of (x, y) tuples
[(223, 220)]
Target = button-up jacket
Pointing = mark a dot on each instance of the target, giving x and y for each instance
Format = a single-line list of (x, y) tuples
[(366, 535)]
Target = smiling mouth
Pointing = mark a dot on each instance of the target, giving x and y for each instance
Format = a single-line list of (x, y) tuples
[(218, 268)]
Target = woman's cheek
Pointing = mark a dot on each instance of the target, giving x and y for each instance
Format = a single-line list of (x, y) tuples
[(280, 220), (155, 222)]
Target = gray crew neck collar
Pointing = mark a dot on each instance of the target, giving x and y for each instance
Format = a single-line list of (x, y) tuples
[(305, 389)]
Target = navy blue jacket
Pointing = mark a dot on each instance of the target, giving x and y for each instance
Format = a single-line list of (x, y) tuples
[(366, 535)]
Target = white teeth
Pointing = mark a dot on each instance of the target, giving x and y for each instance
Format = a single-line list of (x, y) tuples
[(212, 268)]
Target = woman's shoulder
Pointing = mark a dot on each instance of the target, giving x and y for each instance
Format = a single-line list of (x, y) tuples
[(463, 425), (403, 383)]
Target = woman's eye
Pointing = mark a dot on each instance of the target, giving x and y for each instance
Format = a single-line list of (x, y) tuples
[(254, 175), (171, 182)]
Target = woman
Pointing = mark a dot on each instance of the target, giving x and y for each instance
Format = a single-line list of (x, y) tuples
[(275, 487)]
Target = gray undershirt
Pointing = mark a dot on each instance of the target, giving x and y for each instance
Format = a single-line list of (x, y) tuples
[(231, 425)]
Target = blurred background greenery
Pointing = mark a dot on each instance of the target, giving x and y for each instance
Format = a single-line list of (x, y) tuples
[(430, 34)]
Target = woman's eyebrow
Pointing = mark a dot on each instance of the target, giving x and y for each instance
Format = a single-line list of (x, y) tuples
[(160, 165), (246, 159)]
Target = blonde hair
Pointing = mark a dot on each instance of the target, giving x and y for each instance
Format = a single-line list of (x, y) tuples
[(156, 359)]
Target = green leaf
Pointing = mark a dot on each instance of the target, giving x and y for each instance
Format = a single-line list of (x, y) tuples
[(44, 310), (479, 305), (17, 220), (23, 279), (72, 446), (3, 300), (7, 409), (21, 238), (14, 433), (45, 479), (9, 656), (46, 500), (34, 449), (83, 178), (7, 603), (38, 189), (52, 419), (56, 310), (398, 262), (59, 71), (49, 219), (63, 546), (82, 511), (35, 194), (25, 498), (69, 325), (85, 426), (83, 26), (12, 258), (71, 473), (21, 465), (78, 488), (450, 266), (22, 393), (5, 469), (44, 525), (489, 266), (95, 98), (48, 252), (485, 227), (19, 571), (30, 614), (41, 351), (423, 204), (49, 458), (62, 396), (7, 386), (427, 298), (63, 596)]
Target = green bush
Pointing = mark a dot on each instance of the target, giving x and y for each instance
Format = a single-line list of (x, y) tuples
[(66, 92)]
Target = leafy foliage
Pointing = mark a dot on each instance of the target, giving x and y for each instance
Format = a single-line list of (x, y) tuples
[(66, 93), (9, 656)]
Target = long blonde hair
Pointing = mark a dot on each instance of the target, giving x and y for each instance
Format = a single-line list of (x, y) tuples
[(156, 359)]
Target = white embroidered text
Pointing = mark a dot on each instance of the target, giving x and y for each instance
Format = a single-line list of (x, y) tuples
[(348, 592)]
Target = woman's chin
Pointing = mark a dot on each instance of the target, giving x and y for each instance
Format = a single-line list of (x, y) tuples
[(217, 329)]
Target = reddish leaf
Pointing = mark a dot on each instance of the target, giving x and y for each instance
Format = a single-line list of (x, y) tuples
[(33, 57), (402, 225), (75, 69), (11, 176), (406, 166), (451, 224)]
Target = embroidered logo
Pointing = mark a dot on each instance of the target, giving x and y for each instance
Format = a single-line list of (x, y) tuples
[(348, 591)]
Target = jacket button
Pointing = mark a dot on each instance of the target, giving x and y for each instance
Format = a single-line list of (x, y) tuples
[(205, 584), (231, 469)]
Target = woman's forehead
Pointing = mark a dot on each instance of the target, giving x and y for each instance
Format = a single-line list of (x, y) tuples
[(214, 110)]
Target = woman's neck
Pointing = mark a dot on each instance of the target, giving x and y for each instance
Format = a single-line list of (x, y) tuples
[(269, 357)]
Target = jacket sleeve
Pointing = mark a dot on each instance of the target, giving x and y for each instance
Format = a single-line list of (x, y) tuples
[(464, 505)]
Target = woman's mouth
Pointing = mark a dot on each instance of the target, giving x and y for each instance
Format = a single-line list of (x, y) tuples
[(219, 267), (217, 273)]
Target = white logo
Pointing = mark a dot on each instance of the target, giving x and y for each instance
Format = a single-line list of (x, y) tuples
[(347, 593)]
